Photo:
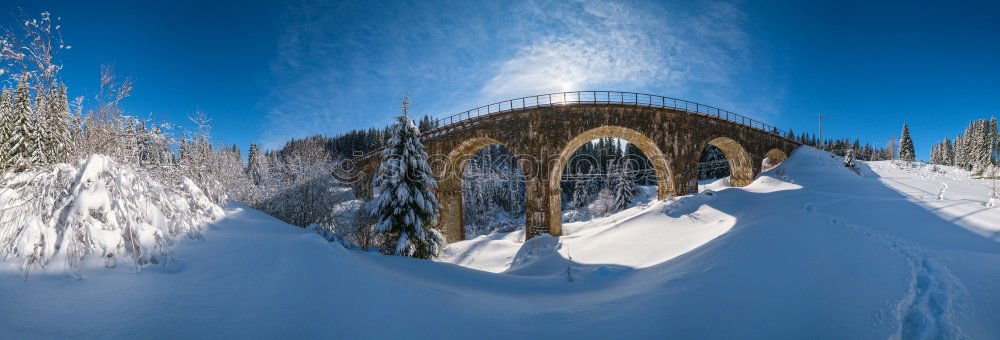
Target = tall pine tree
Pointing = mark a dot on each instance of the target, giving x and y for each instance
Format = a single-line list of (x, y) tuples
[(994, 141), (949, 152), (906, 151), (6, 129), (405, 207), (23, 134), (961, 158), (581, 192), (43, 137), (623, 188), (255, 167), (982, 147), (58, 125)]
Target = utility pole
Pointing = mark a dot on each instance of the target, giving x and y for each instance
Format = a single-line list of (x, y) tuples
[(821, 116)]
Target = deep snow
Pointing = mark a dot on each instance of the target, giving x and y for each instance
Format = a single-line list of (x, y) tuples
[(809, 250)]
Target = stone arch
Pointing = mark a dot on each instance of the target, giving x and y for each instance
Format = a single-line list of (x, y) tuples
[(772, 158), (449, 193), (740, 164), (462, 153), (661, 165)]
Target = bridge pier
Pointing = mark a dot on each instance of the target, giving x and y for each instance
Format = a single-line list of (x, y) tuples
[(535, 208), (451, 221)]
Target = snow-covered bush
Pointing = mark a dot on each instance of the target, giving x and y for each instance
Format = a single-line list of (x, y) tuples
[(849, 162), (97, 209), (604, 204), (993, 200), (350, 224), (324, 230), (575, 215)]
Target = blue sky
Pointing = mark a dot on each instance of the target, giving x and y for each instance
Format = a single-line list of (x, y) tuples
[(267, 72)]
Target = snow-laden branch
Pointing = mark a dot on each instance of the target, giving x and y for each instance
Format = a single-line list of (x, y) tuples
[(96, 211)]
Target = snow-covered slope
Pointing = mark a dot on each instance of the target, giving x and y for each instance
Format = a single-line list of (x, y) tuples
[(809, 250)]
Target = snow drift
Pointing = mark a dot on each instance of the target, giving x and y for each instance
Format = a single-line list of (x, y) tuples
[(96, 209), (809, 250)]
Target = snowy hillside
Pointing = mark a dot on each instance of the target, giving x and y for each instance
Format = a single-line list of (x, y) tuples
[(809, 250)]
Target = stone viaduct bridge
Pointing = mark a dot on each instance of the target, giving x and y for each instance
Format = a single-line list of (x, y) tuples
[(543, 131)]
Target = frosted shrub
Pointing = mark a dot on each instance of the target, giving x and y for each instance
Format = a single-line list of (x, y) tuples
[(604, 204), (96, 209), (941, 191), (993, 198)]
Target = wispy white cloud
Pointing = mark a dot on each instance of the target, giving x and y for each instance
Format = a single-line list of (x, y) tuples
[(341, 66), (583, 45), (587, 45)]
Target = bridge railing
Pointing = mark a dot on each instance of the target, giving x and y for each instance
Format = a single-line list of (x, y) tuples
[(468, 118)]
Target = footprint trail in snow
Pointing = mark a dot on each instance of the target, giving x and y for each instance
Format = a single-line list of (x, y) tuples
[(925, 311)]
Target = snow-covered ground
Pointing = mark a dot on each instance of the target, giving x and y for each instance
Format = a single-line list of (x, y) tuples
[(809, 250)]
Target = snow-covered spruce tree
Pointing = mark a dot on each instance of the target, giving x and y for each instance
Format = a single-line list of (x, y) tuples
[(970, 146), (949, 152), (43, 136), (623, 187), (960, 153), (255, 166), (23, 135), (906, 152), (405, 207), (994, 131), (981, 148), (6, 124), (581, 192), (57, 125), (955, 151), (992, 139), (935, 154), (941, 153)]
